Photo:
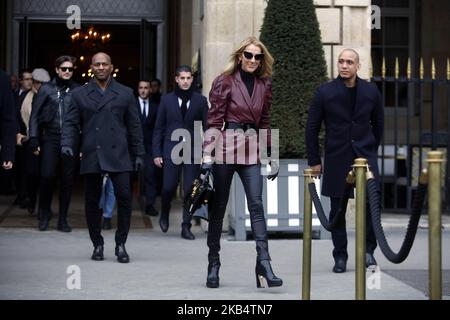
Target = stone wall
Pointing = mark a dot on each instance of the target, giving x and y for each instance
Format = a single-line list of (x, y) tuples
[(343, 24)]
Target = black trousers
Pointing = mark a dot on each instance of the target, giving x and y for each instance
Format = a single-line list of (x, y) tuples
[(171, 178), (54, 164), (253, 185), (339, 235), (122, 191)]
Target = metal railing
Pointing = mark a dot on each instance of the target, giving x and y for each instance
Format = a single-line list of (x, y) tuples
[(417, 114)]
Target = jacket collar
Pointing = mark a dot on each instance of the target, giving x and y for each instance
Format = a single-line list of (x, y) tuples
[(101, 100)]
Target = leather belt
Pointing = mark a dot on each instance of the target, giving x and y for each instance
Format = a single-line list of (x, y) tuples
[(243, 126)]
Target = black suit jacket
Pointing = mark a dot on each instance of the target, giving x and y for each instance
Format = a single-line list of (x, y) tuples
[(8, 124), (110, 127), (348, 134), (148, 123), (170, 118)]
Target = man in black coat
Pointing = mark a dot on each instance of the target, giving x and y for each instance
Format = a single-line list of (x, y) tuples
[(8, 123), (111, 142), (186, 111), (148, 110), (49, 107), (353, 114)]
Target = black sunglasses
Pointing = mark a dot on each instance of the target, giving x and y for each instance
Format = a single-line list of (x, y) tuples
[(65, 69), (249, 56)]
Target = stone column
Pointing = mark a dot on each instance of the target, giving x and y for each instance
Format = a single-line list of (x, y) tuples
[(225, 24)]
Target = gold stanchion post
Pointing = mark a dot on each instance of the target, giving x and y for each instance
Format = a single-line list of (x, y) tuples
[(435, 160), (307, 231), (360, 257)]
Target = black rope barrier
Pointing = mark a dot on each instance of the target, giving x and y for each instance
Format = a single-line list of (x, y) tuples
[(330, 225), (375, 210)]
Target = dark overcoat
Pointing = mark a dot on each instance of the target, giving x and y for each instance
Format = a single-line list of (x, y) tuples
[(170, 119), (8, 124), (349, 133), (110, 127)]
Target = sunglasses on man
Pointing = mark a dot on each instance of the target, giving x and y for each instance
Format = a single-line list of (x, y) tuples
[(249, 56), (65, 69)]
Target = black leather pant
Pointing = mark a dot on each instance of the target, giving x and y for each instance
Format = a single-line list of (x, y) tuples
[(339, 235), (253, 185), (122, 191), (53, 165)]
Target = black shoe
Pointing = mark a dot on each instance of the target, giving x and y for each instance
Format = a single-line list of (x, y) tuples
[(265, 275), (186, 233), (121, 253), (164, 222), (106, 224), (151, 211), (64, 226), (97, 255), (340, 265), (43, 224), (212, 280), (370, 260)]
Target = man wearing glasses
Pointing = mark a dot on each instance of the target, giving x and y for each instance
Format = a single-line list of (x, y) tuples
[(49, 108)]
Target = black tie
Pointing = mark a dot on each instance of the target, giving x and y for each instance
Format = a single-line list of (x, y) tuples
[(183, 107), (144, 114)]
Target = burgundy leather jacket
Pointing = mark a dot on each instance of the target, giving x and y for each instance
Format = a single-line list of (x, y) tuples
[(231, 103)]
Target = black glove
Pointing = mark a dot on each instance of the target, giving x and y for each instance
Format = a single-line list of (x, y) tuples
[(138, 164), (206, 167), (67, 151), (33, 144), (273, 168)]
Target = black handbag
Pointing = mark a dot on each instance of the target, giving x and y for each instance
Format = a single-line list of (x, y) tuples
[(200, 197)]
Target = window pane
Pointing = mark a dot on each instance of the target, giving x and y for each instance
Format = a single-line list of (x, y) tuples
[(396, 31)]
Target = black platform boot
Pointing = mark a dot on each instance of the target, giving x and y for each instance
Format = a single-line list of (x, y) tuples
[(212, 280), (265, 275)]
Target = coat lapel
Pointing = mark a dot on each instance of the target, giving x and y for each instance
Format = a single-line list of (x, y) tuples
[(110, 94), (344, 97), (176, 106), (191, 107), (93, 94), (244, 91), (359, 94)]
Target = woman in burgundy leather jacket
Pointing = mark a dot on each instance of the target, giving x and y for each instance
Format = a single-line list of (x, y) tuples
[(240, 99)]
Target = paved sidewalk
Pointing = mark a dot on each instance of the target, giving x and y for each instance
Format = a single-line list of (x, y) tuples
[(34, 265)]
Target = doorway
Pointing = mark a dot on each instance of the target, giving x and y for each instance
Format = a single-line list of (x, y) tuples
[(132, 48)]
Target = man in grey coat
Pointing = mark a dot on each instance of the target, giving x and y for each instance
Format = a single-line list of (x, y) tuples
[(111, 142)]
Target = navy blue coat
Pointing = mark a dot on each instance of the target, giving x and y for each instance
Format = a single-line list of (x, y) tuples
[(348, 135), (170, 118), (110, 127), (148, 123)]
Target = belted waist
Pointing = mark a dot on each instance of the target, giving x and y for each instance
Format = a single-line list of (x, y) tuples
[(243, 126)]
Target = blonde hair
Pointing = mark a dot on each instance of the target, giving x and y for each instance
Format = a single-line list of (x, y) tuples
[(265, 68)]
